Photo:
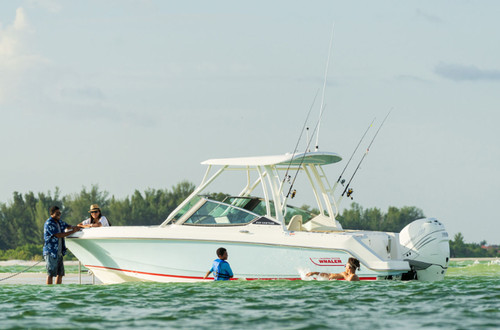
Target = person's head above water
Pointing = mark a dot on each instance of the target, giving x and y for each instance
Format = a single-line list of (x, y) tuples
[(222, 253), (353, 264)]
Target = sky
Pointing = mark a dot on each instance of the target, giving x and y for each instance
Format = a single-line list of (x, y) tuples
[(133, 95)]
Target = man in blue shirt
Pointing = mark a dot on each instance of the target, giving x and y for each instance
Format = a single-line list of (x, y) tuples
[(54, 248), (221, 269)]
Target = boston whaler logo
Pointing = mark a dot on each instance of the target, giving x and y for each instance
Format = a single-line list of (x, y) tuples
[(327, 261)]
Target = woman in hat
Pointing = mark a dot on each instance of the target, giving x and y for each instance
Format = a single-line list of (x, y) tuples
[(96, 218), (348, 275)]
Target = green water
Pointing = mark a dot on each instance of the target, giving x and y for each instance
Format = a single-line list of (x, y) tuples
[(469, 297)]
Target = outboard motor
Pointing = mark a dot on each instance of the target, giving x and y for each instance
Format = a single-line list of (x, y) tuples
[(425, 245)]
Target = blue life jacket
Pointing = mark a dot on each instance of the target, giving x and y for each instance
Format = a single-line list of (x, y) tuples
[(220, 269)]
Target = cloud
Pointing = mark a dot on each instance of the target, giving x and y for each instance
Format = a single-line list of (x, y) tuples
[(11, 38), (459, 72), (16, 57)]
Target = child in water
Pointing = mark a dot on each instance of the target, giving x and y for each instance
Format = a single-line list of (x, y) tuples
[(221, 269)]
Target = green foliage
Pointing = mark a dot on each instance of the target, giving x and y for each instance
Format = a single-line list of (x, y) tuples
[(217, 196), (19, 220), (374, 219), (76, 206), (460, 249), (25, 252), (149, 208)]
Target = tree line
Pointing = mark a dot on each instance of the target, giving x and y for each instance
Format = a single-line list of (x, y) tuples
[(374, 219), (22, 219), (396, 219), (460, 249)]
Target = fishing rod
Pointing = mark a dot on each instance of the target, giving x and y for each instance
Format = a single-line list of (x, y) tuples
[(322, 107), (324, 86), (300, 137), (303, 157), (354, 152), (350, 191)]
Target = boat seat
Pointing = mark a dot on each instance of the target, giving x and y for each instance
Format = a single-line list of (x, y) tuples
[(222, 220), (322, 223), (295, 223)]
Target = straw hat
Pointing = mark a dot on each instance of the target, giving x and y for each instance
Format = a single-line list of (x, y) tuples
[(94, 207)]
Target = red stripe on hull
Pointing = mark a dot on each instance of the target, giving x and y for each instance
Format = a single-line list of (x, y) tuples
[(200, 278)]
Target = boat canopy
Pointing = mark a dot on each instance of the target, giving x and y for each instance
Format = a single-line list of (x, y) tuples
[(315, 158)]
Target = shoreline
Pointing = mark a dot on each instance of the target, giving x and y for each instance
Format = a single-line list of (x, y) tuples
[(16, 262), (40, 278)]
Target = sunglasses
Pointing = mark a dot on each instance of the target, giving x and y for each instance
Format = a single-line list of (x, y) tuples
[(94, 211)]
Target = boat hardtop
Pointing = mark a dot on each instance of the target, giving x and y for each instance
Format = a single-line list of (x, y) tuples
[(288, 159)]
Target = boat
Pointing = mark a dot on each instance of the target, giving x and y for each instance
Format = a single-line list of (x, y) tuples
[(267, 238)]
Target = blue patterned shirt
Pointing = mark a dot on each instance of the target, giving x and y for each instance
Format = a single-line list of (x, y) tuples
[(51, 242)]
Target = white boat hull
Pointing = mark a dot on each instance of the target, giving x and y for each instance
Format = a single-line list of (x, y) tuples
[(168, 255)]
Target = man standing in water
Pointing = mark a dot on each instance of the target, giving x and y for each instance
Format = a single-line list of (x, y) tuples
[(54, 247), (221, 269)]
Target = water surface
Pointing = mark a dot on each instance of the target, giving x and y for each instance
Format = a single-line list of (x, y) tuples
[(469, 297)]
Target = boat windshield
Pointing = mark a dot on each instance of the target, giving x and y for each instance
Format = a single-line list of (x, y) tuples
[(258, 206), (217, 213), (234, 210)]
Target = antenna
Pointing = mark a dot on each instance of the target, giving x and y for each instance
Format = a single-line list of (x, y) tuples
[(324, 87)]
